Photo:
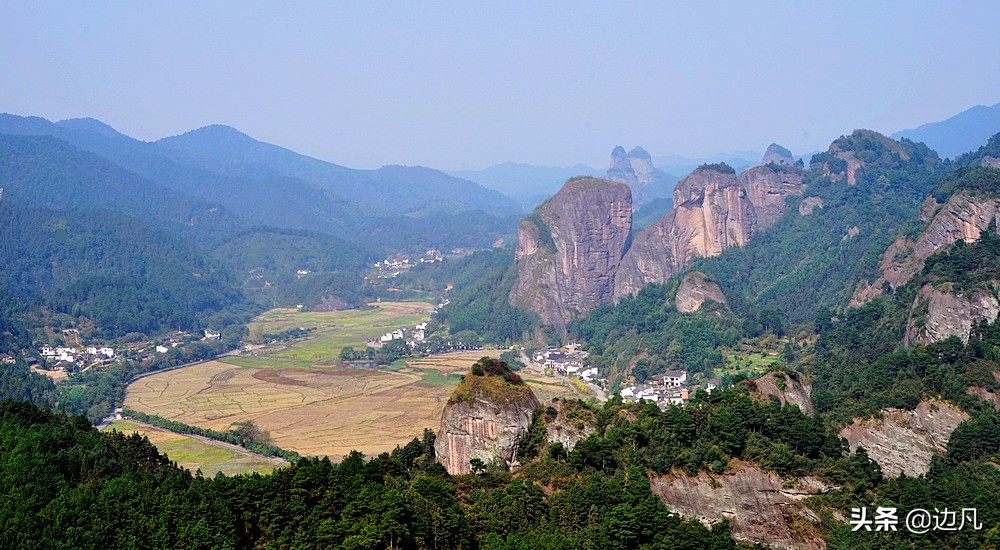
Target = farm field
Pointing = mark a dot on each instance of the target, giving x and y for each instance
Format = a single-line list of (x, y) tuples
[(337, 329), (317, 411), (195, 453)]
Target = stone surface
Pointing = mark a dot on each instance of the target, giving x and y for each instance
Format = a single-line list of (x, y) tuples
[(484, 427), (797, 391), (809, 204), (904, 441), (569, 431), (762, 507), (948, 313), (963, 217), (569, 250), (694, 290), (713, 210), (990, 162), (777, 154)]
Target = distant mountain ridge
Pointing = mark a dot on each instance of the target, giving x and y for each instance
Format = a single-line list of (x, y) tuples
[(962, 133), (527, 183), (398, 207)]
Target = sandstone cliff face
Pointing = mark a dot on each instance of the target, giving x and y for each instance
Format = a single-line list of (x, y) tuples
[(963, 217), (713, 210), (903, 441), (695, 290), (938, 313), (794, 391), (777, 154), (483, 423), (761, 507), (569, 250)]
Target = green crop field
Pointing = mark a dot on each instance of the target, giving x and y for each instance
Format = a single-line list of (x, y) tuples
[(338, 329), (199, 454)]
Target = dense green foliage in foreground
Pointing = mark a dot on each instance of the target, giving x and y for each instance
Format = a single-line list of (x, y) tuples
[(67, 486)]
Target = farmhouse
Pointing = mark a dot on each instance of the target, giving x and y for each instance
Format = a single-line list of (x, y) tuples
[(674, 378), (6, 359)]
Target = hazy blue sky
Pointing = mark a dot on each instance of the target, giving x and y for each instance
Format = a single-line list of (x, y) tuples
[(469, 84)]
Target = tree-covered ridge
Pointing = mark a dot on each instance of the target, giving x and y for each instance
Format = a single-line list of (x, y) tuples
[(859, 361), (69, 486), (644, 335), (123, 274), (477, 303), (803, 263)]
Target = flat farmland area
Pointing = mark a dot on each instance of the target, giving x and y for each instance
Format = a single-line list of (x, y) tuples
[(317, 411), (337, 329), (196, 453), (306, 400)]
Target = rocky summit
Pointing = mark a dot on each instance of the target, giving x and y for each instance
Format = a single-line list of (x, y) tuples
[(714, 209), (569, 250), (777, 154), (486, 417)]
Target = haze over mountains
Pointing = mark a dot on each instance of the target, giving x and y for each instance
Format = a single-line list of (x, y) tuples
[(962, 133)]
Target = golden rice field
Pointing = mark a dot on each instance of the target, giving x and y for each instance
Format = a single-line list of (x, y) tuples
[(315, 407), (317, 411)]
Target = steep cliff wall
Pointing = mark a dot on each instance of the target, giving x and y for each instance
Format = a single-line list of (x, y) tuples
[(905, 441), (485, 418), (940, 312), (963, 217), (762, 507), (570, 248), (713, 209)]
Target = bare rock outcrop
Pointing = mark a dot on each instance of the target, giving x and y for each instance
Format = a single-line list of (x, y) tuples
[(569, 250), (777, 154), (695, 289), (713, 209), (809, 204), (985, 395), (485, 418), (903, 441), (788, 390), (963, 217), (762, 507), (938, 313)]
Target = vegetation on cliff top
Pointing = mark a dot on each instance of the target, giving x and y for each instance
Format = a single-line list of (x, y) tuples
[(491, 380)]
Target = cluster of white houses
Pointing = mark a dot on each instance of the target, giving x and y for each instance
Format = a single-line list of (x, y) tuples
[(568, 361), (412, 336), (672, 389), (72, 355)]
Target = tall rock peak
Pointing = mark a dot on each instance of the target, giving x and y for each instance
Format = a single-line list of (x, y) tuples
[(713, 209), (777, 154), (636, 170), (486, 417), (569, 250)]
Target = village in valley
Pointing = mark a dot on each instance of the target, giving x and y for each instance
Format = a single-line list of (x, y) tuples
[(672, 388)]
